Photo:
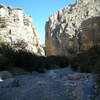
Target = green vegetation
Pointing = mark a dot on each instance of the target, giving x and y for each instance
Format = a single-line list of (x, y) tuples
[(85, 62), (88, 61), (29, 61)]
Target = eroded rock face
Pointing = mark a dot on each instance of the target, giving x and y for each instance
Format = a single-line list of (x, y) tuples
[(90, 34), (17, 30), (65, 27)]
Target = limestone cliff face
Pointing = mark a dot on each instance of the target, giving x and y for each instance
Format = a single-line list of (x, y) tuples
[(90, 33), (17, 30), (65, 28)]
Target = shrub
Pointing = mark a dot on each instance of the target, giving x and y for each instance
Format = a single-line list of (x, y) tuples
[(57, 61), (87, 61), (29, 61), (6, 55)]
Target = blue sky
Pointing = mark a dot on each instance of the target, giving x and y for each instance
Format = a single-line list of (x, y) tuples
[(40, 10)]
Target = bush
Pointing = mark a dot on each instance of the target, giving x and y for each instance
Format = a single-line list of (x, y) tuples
[(57, 61), (6, 56), (29, 61), (32, 62), (87, 61)]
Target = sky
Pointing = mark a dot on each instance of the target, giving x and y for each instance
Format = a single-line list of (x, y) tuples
[(40, 10)]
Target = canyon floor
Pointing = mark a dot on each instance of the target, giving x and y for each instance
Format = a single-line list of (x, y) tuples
[(58, 84)]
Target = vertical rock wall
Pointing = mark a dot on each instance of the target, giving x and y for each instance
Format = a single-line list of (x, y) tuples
[(17, 30), (64, 28)]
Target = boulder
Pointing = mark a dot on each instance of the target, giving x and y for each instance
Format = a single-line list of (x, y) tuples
[(5, 75), (9, 83), (65, 28)]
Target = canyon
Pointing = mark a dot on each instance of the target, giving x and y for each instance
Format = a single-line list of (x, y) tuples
[(29, 71)]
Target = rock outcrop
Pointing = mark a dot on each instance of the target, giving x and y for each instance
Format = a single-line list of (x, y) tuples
[(67, 29), (90, 33), (17, 30)]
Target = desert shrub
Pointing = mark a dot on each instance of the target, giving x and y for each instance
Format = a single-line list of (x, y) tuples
[(4, 61), (6, 56), (29, 61), (57, 61), (87, 61)]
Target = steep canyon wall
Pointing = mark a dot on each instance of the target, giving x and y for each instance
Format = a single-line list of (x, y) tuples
[(68, 31)]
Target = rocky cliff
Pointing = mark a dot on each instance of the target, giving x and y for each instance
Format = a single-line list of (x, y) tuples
[(69, 30), (17, 30)]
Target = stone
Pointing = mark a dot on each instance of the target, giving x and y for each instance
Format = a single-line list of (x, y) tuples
[(52, 74), (5, 75), (42, 83), (9, 83), (90, 33), (65, 33), (70, 84), (79, 88), (74, 76), (17, 30), (38, 86), (1, 80), (17, 71)]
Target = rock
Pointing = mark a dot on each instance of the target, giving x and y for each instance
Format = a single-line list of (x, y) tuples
[(74, 76), (80, 76), (90, 33), (9, 83), (42, 83), (41, 87), (65, 28), (17, 71), (38, 86), (52, 74), (5, 75), (70, 84), (17, 30), (1, 80), (80, 89), (43, 47)]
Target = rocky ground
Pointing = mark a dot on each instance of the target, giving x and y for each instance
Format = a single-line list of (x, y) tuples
[(58, 84)]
